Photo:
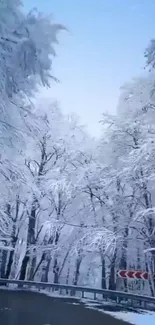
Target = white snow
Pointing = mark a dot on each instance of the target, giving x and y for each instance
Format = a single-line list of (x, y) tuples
[(134, 318), (141, 318)]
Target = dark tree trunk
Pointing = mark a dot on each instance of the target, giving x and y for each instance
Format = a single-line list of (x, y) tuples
[(24, 267), (77, 271), (103, 273), (32, 269), (11, 256), (4, 252), (150, 282), (47, 270), (31, 225), (123, 261), (3, 263), (67, 279), (9, 265), (112, 277), (153, 262), (37, 267), (55, 265), (30, 240), (56, 271), (76, 274)]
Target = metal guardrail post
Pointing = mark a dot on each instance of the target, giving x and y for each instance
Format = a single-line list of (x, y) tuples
[(143, 304), (83, 294)]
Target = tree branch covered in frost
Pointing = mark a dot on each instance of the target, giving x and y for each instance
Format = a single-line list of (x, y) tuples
[(150, 54), (97, 239), (30, 39)]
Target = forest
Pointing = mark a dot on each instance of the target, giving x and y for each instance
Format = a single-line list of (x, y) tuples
[(73, 209)]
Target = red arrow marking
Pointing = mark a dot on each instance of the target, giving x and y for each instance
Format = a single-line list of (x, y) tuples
[(133, 274), (122, 273), (145, 276), (138, 275), (130, 274)]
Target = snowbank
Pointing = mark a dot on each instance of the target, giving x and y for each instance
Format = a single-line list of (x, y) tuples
[(134, 318)]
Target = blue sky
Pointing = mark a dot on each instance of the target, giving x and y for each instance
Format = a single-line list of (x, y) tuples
[(103, 49)]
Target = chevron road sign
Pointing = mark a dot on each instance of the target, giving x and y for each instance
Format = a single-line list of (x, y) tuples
[(128, 274)]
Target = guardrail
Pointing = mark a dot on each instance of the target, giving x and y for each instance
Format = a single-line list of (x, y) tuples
[(118, 296)]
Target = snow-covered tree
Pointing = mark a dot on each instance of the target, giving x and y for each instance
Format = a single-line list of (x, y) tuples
[(73, 209)]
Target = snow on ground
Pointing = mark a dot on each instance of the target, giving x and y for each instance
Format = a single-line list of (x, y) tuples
[(147, 318), (139, 318)]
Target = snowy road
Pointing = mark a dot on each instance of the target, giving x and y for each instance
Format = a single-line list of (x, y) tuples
[(25, 308)]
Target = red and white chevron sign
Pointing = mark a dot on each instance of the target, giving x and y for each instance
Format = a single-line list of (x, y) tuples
[(133, 274)]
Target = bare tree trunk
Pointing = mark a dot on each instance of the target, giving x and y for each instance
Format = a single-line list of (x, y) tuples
[(112, 277), (150, 224), (9, 265), (123, 260), (76, 274), (56, 271), (4, 267), (11, 256), (67, 278), (24, 267), (3, 263), (77, 271), (31, 225), (150, 282), (47, 270), (30, 240), (64, 261), (37, 267), (56, 265), (32, 269), (103, 272)]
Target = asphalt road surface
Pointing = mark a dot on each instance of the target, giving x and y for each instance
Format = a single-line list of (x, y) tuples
[(26, 308)]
